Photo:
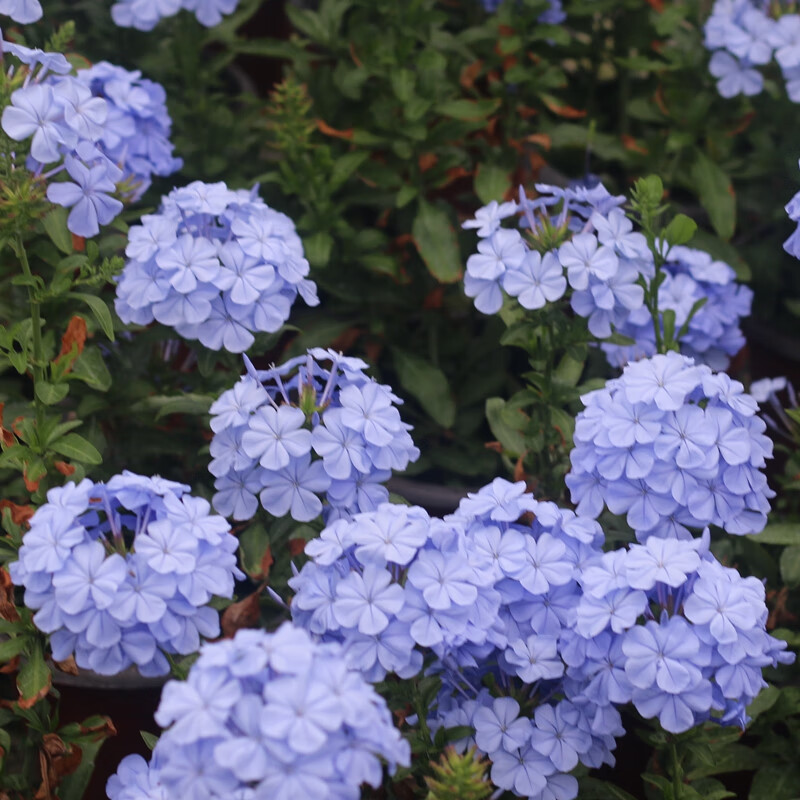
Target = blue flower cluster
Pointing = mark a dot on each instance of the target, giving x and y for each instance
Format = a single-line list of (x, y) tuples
[(605, 264), (136, 132), (601, 260), (489, 594), (301, 432), (266, 715), (22, 11), (144, 15), (121, 573), (215, 264), (713, 333), (674, 446), (699, 652), (69, 124), (745, 35)]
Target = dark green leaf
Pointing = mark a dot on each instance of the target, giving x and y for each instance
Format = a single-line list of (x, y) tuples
[(436, 241), (12, 647), (34, 676), (776, 783), (77, 448), (254, 549), (716, 194), (595, 789), (345, 166), (428, 384), (90, 368)]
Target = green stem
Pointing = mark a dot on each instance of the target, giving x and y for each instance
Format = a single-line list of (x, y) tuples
[(36, 333), (676, 772)]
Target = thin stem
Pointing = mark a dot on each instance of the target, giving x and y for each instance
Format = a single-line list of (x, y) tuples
[(676, 772), (36, 333)]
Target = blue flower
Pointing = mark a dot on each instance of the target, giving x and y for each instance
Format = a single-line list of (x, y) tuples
[(87, 196), (22, 11), (35, 112)]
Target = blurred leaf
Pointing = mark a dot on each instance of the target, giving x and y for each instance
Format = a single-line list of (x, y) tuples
[(596, 789), (55, 224), (428, 384), (345, 166), (776, 783), (778, 533), (716, 194), (436, 241), (680, 230), (492, 182), (790, 566), (318, 249), (509, 435), (468, 109)]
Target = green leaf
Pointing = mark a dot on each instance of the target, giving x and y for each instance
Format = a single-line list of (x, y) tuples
[(569, 371), (90, 368), (77, 448), (74, 785), (680, 230), (345, 166), (778, 533), (716, 194), (308, 22), (34, 676), (406, 194), (428, 384), (775, 783), (468, 110), (491, 182), (318, 249), (164, 405), (403, 82), (60, 429), (51, 393), (595, 789), (790, 566), (501, 426), (12, 647), (731, 758), (99, 310), (55, 225), (436, 242), (253, 549), (150, 739)]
